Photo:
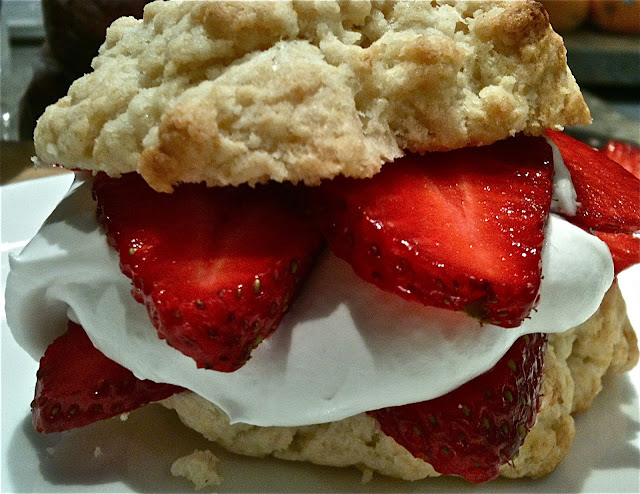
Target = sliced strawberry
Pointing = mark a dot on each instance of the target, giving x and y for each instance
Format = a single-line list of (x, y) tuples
[(77, 385), (479, 426), (625, 249), (625, 154), (609, 195), (460, 230), (216, 267)]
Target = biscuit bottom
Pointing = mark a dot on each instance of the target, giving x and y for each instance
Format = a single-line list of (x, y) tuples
[(575, 363)]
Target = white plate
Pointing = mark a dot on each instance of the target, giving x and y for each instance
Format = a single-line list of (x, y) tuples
[(135, 456)]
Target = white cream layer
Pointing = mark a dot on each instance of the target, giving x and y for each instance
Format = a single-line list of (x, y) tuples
[(344, 348), (564, 196)]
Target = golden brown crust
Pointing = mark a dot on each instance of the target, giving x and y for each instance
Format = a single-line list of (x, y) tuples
[(233, 92), (575, 363)]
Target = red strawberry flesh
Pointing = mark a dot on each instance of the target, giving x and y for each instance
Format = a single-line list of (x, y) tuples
[(478, 427), (625, 154), (609, 195), (216, 267), (77, 385), (461, 230), (625, 249)]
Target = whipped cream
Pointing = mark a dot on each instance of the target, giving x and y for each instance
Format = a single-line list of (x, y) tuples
[(344, 348), (564, 198)]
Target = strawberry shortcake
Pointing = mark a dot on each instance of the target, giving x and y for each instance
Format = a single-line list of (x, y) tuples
[(351, 233)]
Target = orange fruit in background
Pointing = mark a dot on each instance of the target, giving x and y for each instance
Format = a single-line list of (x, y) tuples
[(619, 16), (566, 15)]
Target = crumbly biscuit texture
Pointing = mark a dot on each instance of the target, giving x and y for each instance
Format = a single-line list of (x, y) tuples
[(574, 366), (200, 467), (235, 92)]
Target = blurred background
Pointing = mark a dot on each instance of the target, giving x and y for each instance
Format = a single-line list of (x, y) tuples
[(46, 44), (603, 51)]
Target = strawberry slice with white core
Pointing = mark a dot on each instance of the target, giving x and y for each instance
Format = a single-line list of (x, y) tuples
[(461, 230), (217, 268)]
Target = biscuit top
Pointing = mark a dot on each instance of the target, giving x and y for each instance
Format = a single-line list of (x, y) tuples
[(235, 92)]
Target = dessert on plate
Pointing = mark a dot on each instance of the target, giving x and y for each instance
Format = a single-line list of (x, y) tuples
[(350, 233)]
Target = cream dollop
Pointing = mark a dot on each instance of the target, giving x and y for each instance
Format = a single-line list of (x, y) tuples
[(564, 198), (344, 348)]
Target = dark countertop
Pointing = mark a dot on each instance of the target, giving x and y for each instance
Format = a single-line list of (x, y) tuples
[(16, 164)]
